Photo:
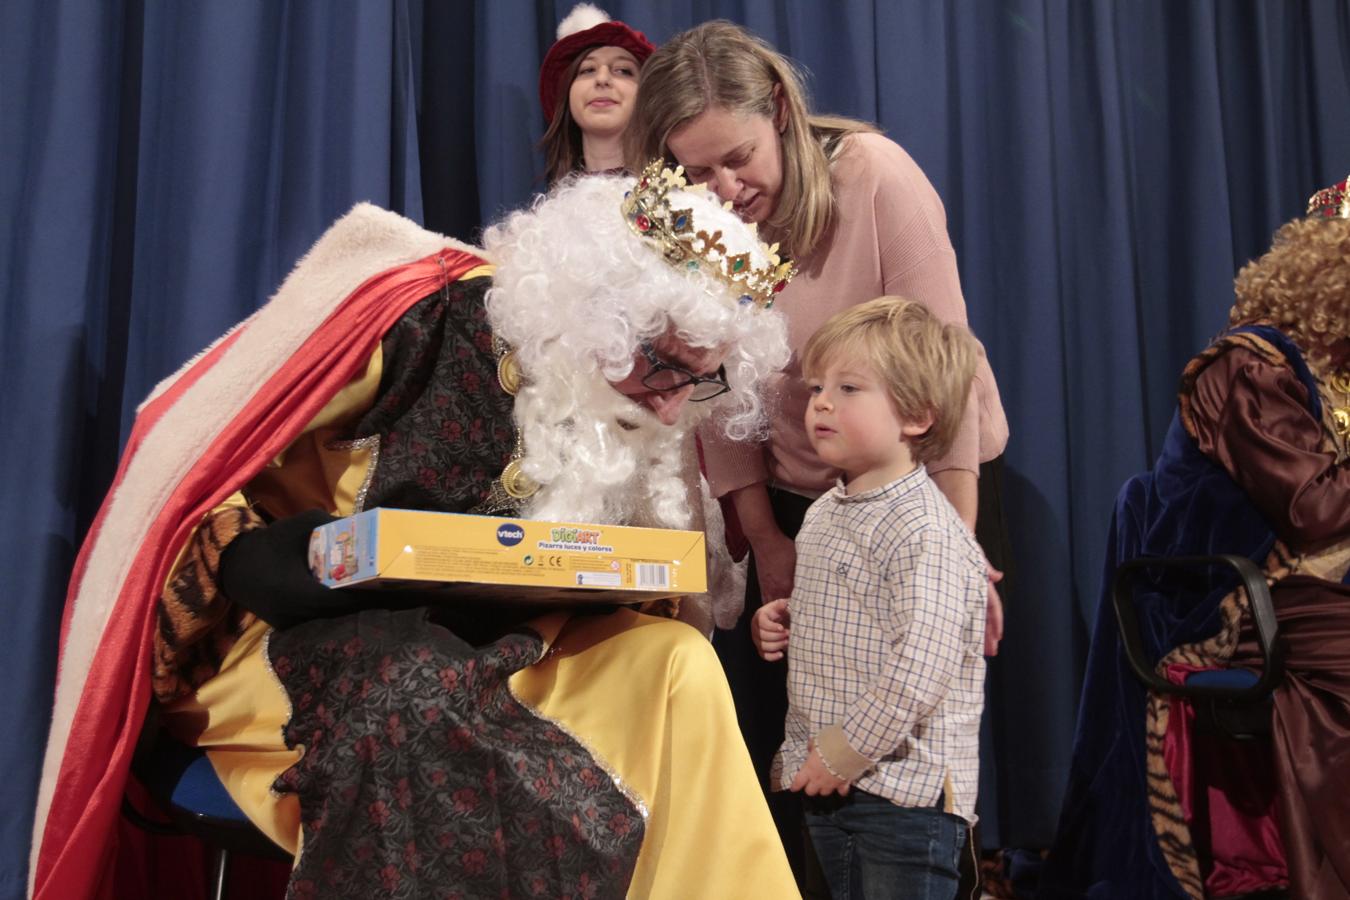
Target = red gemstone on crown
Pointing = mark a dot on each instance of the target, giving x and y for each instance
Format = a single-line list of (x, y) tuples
[(644, 223)]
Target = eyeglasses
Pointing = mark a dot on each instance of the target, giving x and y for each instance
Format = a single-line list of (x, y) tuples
[(664, 376)]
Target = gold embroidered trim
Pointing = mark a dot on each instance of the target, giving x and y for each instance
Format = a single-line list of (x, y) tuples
[(1334, 390), (299, 748), (371, 443), (290, 707), (553, 651)]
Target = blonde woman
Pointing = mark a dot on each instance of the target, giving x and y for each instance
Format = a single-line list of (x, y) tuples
[(588, 87), (862, 220)]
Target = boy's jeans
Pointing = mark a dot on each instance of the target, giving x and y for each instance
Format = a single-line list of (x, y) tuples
[(871, 849)]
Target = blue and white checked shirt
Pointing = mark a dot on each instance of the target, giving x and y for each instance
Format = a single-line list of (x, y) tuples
[(886, 645)]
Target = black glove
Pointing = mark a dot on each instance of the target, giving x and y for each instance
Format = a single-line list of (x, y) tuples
[(266, 571)]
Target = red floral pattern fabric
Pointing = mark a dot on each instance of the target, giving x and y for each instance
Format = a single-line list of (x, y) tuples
[(443, 420), (424, 777)]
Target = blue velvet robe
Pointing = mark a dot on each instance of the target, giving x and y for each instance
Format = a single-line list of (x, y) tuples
[(1187, 505)]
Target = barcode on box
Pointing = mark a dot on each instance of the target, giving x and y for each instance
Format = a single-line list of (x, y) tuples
[(653, 575)]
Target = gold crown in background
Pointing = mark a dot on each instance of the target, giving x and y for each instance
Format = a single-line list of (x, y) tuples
[(648, 209), (1330, 202)]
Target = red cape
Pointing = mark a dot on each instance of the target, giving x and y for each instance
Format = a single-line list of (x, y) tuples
[(280, 368)]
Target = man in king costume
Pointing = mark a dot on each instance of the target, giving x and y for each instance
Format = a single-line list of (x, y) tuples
[(401, 749), (1256, 463)]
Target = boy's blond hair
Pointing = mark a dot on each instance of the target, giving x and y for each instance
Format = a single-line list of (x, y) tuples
[(927, 366)]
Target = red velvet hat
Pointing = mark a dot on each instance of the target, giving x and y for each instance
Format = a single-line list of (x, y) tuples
[(586, 26)]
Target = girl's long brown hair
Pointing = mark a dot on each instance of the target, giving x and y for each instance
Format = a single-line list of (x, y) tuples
[(561, 143)]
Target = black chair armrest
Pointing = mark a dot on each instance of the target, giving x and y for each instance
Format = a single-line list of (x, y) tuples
[(1263, 617)]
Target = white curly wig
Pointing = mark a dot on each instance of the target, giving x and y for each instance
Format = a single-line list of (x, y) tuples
[(575, 293)]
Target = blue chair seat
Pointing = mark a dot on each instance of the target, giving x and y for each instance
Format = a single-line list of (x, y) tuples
[(183, 782), (1233, 679), (186, 777), (1244, 720), (1237, 702)]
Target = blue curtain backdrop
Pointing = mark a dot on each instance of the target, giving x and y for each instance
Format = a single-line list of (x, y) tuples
[(1106, 169)]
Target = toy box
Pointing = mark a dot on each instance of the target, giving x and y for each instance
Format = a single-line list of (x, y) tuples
[(515, 559)]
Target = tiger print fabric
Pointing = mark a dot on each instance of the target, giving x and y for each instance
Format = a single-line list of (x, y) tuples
[(1169, 823), (196, 625)]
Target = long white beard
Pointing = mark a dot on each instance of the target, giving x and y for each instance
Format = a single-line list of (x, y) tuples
[(599, 457)]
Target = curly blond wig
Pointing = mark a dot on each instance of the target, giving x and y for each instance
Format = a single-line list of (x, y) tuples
[(1302, 285)]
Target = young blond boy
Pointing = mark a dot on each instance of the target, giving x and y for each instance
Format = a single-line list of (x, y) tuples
[(886, 668)]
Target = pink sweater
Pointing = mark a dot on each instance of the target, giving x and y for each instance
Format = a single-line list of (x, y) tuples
[(889, 237)]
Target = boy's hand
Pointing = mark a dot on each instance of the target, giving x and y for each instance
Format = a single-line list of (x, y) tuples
[(769, 629), (815, 779), (993, 614)]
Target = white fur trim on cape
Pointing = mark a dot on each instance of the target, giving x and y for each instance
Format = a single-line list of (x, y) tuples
[(583, 17), (366, 241)]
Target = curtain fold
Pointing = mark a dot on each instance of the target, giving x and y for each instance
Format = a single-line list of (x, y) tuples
[(61, 111), (1106, 168), (164, 166)]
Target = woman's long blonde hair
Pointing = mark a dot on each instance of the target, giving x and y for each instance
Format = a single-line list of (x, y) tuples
[(720, 64)]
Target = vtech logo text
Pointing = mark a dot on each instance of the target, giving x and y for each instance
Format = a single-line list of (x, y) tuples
[(509, 534)]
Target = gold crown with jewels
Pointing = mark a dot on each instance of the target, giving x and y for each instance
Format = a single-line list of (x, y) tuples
[(648, 210), (1331, 202)]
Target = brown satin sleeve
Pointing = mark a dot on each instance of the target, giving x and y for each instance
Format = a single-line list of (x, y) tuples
[(1251, 417)]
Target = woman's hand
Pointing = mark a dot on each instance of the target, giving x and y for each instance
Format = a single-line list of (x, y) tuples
[(993, 614), (775, 553), (775, 563)]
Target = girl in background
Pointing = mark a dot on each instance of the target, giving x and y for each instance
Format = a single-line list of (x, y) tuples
[(588, 87)]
